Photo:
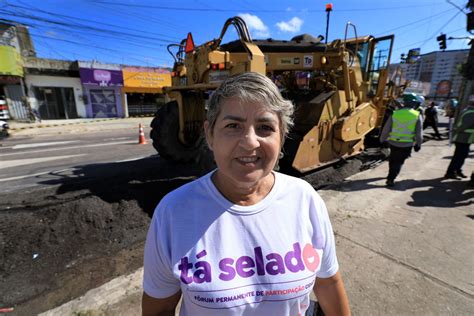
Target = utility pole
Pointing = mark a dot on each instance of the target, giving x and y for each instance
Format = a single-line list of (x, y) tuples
[(467, 91)]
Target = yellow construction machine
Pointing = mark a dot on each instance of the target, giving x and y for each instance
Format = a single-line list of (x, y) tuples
[(340, 91)]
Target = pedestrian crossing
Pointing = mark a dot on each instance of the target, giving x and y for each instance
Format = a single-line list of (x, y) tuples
[(35, 160), (29, 161)]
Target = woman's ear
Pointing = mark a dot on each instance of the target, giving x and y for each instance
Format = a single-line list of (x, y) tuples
[(208, 133)]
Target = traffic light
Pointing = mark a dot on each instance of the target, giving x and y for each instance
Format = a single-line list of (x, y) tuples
[(442, 41)]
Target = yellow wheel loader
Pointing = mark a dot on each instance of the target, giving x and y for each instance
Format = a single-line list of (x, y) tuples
[(339, 90)]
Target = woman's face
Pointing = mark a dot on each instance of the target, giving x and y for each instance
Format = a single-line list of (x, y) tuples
[(246, 142)]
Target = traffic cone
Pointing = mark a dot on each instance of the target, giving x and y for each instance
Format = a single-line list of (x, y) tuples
[(141, 135)]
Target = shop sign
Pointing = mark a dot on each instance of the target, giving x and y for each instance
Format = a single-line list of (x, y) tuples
[(9, 80), (101, 77), (134, 77), (11, 63)]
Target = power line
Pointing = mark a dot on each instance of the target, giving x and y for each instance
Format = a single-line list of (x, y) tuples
[(415, 43), (80, 26), (440, 29), (133, 42), (456, 6), (162, 24), (92, 46), (79, 29), (87, 20), (145, 6), (414, 22)]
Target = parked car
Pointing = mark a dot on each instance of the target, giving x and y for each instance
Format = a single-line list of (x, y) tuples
[(3, 129), (3, 109)]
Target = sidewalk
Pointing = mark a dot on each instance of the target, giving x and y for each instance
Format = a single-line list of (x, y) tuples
[(407, 250), (71, 126)]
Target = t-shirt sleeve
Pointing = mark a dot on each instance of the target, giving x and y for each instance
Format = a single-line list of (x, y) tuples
[(386, 130), (329, 263), (158, 278)]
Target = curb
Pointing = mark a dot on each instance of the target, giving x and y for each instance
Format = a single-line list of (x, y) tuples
[(74, 123)]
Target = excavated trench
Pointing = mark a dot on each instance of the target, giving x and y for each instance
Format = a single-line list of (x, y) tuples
[(79, 232)]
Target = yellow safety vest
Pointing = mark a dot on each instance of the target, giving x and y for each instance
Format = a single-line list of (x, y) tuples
[(404, 125), (467, 136)]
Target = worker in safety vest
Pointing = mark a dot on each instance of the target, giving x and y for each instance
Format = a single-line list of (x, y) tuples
[(404, 131), (463, 137)]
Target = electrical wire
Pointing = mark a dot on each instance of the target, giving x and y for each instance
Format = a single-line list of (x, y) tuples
[(78, 29), (440, 29), (78, 25), (416, 43), (141, 17), (63, 16), (144, 6), (88, 46), (414, 22)]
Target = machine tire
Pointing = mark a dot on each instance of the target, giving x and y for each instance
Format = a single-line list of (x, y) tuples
[(164, 133)]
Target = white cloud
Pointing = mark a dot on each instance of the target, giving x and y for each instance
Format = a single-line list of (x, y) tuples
[(292, 26), (255, 25)]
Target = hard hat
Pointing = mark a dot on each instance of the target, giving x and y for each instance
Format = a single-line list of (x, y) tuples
[(421, 99), (411, 100)]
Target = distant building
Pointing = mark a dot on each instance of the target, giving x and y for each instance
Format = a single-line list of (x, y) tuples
[(439, 69), (15, 45), (64, 89)]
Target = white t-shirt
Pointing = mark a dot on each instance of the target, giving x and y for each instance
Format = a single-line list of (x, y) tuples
[(239, 260)]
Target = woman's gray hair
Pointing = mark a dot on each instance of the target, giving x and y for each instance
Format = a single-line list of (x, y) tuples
[(251, 87)]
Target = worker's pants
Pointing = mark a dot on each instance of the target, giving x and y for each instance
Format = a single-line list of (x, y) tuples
[(460, 154), (398, 155), (433, 125)]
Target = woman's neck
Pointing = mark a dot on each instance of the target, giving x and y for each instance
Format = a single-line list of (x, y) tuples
[(244, 194)]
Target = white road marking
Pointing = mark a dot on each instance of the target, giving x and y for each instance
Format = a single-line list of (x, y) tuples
[(70, 147), (21, 146), (120, 138), (132, 159), (31, 161), (31, 175)]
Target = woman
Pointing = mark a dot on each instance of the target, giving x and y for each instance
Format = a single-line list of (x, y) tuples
[(243, 239)]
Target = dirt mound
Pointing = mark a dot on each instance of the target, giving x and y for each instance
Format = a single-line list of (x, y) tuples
[(59, 242), (42, 243)]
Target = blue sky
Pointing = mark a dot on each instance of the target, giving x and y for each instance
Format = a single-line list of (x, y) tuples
[(137, 32)]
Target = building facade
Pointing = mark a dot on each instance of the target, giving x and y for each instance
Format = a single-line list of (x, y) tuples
[(60, 89), (54, 88), (102, 89), (143, 89), (15, 43), (440, 69)]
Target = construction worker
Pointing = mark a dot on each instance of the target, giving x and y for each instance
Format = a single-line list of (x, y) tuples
[(404, 131), (463, 137), (431, 119)]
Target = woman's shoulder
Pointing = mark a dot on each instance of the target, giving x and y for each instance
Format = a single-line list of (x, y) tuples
[(183, 197), (291, 182), (187, 190)]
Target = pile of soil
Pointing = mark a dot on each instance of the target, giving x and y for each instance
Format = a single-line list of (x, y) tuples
[(58, 242)]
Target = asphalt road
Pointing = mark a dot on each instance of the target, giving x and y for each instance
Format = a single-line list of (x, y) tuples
[(29, 161)]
